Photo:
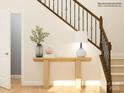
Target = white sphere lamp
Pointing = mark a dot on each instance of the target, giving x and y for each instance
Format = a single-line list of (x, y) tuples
[(81, 37)]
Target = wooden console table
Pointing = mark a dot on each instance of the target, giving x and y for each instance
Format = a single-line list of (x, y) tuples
[(77, 61)]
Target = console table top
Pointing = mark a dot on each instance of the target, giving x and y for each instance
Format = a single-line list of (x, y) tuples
[(62, 59)]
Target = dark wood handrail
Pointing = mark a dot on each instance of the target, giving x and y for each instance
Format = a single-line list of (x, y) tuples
[(87, 9), (94, 44)]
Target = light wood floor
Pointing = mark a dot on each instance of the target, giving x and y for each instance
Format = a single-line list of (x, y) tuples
[(17, 88)]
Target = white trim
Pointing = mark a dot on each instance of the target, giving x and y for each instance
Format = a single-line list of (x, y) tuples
[(22, 48), (16, 11), (40, 83), (92, 83), (32, 83), (16, 76)]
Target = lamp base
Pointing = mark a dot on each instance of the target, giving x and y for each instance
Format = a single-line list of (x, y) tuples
[(81, 52)]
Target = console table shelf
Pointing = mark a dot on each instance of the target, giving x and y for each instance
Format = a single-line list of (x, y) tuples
[(77, 61)]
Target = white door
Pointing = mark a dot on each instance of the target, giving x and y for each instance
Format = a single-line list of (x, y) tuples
[(5, 70)]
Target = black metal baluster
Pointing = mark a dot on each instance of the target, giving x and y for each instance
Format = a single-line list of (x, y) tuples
[(57, 6), (66, 10), (82, 19), (53, 5), (70, 11), (49, 3), (45, 1), (91, 28), (95, 31), (62, 8), (74, 15), (78, 17), (87, 23)]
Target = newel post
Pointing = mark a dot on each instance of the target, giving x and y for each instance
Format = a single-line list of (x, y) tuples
[(101, 21), (101, 29)]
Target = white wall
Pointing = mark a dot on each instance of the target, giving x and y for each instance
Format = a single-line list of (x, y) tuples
[(60, 39)]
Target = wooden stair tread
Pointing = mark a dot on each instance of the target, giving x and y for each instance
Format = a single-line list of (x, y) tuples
[(118, 74), (117, 65)]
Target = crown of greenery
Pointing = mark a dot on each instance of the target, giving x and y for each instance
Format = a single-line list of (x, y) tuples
[(38, 35)]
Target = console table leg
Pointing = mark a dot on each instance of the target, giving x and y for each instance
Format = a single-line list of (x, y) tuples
[(78, 74), (46, 73)]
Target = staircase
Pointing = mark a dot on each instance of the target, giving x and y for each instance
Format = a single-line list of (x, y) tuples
[(118, 75), (80, 18)]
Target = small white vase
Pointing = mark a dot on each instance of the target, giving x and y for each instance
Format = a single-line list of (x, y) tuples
[(81, 52)]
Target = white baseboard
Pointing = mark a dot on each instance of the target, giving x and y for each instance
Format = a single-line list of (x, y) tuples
[(91, 83), (32, 83), (16, 76), (62, 83)]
